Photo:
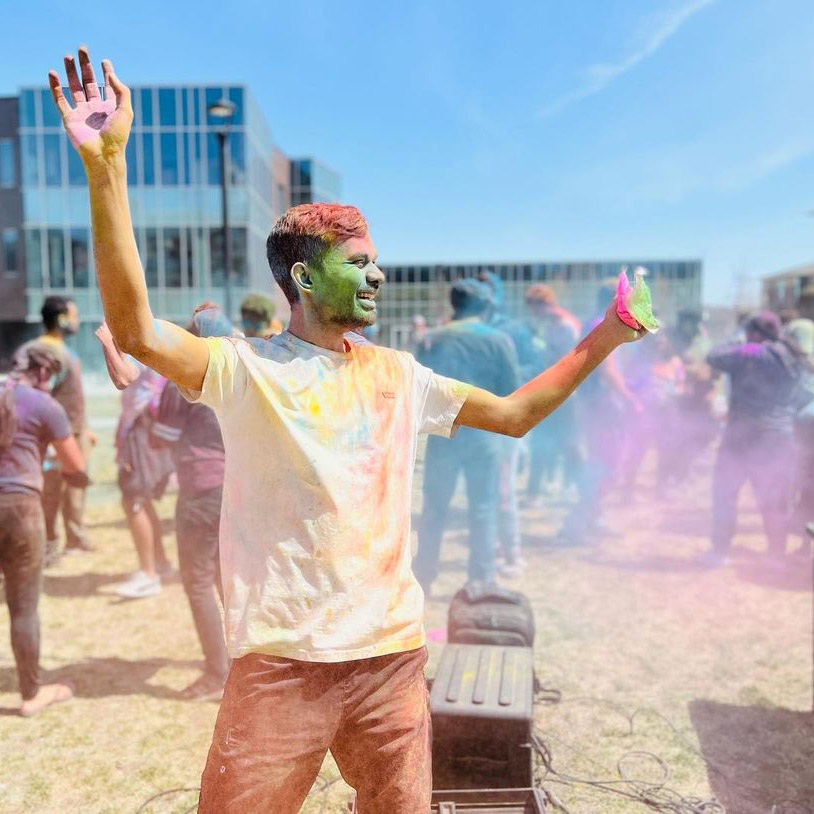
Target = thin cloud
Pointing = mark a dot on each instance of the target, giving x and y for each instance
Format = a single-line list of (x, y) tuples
[(597, 77)]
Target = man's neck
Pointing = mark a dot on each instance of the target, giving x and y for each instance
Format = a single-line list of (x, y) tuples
[(55, 334), (305, 327)]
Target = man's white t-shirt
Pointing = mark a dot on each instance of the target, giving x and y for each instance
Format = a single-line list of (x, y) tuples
[(315, 526)]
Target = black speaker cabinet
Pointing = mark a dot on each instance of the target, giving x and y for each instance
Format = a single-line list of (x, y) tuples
[(482, 714)]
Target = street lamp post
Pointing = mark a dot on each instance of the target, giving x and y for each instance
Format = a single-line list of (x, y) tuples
[(223, 109)]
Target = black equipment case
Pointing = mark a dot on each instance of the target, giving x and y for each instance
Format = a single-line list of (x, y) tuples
[(482, 713), (488, 801)]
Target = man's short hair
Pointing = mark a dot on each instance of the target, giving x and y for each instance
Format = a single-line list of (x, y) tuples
[(52, 309), (258, 304), (541, 293), (469, 295), (305, 234)]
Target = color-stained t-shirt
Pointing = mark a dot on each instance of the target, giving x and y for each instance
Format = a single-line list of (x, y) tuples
[(766, 386), (40, 420), (197, 449), (67, 389), (315, 528)]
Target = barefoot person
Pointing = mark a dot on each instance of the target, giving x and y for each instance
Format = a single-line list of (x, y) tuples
[(30, 420), (323, 613)]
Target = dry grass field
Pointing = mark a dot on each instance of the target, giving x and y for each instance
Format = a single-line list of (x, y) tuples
[(709, 670)]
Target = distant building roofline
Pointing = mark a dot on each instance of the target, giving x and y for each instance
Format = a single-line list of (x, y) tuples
[(549, 262), (790, 274)]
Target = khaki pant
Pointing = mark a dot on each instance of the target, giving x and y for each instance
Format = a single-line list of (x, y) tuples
[(279, 717), (56, 495)]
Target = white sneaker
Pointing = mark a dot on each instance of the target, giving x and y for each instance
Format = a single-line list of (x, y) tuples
[(513, 569), (139, 586)]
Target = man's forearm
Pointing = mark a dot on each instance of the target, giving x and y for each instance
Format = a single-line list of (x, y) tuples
[(543, 394), (118, 267)]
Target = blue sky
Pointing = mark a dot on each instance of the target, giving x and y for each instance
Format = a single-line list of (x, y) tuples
[(515, 131)]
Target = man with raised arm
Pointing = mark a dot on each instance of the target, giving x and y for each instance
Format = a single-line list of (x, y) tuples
[(323, 613)]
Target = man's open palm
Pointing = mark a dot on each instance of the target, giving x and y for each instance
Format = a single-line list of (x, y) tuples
[(95, 126)]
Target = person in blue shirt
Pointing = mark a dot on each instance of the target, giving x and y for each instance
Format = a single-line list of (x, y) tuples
[(508, 516), (469, 350)]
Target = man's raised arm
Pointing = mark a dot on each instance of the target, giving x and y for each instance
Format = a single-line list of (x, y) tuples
[(98, 128), (517, 413)]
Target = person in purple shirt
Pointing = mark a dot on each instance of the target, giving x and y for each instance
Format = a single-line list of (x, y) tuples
[(766, 391), (197, 447), (30, 420)]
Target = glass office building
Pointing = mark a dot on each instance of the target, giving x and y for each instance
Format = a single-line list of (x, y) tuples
[(174, 179), (424, 289), (314, 182)]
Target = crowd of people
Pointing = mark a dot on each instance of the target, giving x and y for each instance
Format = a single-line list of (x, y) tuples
[(675, 395), (668, 395)]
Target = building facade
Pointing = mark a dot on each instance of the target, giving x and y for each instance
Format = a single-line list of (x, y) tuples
[(424, 289), (790, 291), (314, 182), (174, 181)]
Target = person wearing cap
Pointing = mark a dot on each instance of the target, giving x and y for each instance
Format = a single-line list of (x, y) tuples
[(765, 375), (30, 420), (257, 317), (468, 350)]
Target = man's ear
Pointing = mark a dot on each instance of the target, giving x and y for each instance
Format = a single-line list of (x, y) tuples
[(302, 277)]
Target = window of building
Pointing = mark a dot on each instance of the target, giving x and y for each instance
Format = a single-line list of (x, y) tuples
[(131, 160), (236, 97), (197, 159), (56, 259), (11, 259), (50, 113), (151, 257), (213, 158), (31, 174), (303, 173), (172, 258), (185, 98), (189, 242), (169, 159), (216, 260), (146, 106), (166, 107), (240, 270), (196, 106), (148, 157), (80, 258), (53, 160), (186, 167), (76, 169), (28, 117), (33, 258), (237, 158), (8, 172)]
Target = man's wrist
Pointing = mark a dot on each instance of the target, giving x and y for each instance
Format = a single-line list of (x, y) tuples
[(105, 167), (611, 331)]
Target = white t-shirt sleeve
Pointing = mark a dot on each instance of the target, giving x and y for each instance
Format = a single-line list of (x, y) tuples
[(226, 376), (441, 401)]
